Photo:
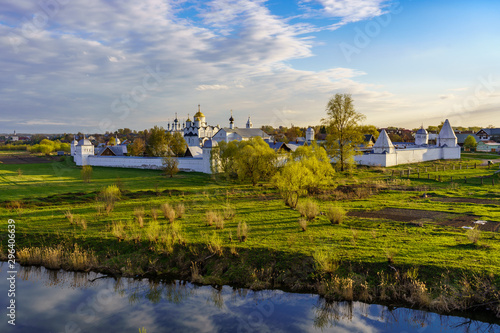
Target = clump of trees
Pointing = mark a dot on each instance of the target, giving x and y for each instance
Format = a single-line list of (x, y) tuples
[(307, 170), (251, 160), (160, 143), (47, 146)]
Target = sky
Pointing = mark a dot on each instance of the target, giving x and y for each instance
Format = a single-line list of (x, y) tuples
[(93, 66)]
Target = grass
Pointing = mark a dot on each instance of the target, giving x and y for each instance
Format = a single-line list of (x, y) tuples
[(338, 251)]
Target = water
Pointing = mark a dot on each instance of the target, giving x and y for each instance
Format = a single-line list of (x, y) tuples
[(50, 301)]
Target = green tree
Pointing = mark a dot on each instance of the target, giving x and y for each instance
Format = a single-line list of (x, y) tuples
[(178, 145), (170, 165), (470, 142), (369, 129), (137, 148), (112, 141), (157, 142), (307, 171), (86, 173), (255, 160), (343, 130), (224, 158)]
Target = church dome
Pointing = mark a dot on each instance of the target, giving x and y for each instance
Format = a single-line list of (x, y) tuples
[(210, 144), (198, 115), (84, 142), (422, 131)]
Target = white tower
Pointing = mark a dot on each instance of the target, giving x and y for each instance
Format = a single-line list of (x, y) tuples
[(199, 118), (231, 121), (73, 146), (309, 135), (84, 149), (207, 152), (249, 123), (447, 136), (383, 144), (421, 137)]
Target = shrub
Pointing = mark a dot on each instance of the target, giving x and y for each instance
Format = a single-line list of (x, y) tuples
[(180, 210), (335, 214), (302, 224), (214, 243), (228, 212), (86, 173), (210, 217), (118, 230), (69, 215), (109, 195), (139, 215), (326, 261), (308, 209), (154, 214), (473, 235), (242, 232), (19, 172), (168, 212)]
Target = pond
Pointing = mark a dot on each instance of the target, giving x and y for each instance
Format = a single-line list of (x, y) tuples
[(71, 302)]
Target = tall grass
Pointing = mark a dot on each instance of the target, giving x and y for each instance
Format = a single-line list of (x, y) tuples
[(214, 218), (214, 243), (180, 210), (109, 195), (308, 209), (69, 216), (335, 214), (242, 231), (139, 215), (168, 212), (474, 235), (303, 224), (58, 257)]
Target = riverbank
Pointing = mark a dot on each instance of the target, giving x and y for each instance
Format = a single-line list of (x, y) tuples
[(395, 246)]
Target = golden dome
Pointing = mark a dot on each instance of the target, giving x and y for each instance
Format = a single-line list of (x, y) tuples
[(199, 114)]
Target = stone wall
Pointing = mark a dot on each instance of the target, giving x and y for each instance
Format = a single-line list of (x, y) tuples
[(193, 164), (406, 156)]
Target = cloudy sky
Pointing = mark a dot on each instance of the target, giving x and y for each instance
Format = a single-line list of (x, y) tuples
[(95, 65)]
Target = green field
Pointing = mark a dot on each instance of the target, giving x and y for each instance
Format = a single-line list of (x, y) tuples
[(425, 261)]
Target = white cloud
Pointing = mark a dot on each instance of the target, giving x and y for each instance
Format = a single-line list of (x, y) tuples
[(212, 87)]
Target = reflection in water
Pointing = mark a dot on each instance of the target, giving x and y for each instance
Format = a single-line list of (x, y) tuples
[(58, 301)]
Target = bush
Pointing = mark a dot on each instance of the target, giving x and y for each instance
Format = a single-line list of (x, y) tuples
[(139, 215), (86, 173), (302, 224), (213, 217), (242, 232), (168, 212), (228, 212), (308, 209), (109, 195), (335, 214), (473, 235), (179, 210)]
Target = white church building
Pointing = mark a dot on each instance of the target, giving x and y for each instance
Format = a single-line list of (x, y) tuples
[(384, 153)]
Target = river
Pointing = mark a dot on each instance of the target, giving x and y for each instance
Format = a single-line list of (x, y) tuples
[(71, 302)]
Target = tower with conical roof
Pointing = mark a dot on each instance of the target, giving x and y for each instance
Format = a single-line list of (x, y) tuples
[(447, 136), (249, 123), (383, 144), (199, 118)]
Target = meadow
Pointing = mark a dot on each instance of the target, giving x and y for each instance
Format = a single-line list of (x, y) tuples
[(401, 240)]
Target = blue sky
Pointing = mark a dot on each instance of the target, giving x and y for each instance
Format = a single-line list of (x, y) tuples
[(95, 65)]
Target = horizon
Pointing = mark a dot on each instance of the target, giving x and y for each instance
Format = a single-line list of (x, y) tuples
[(99, 66)]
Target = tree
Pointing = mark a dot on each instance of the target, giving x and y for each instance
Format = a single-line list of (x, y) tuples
[(170, 165), (112, 141), (157, 142), (293, 133), (369, 129), (86, 173), (307, 171), (255, 160), (223, 158), (137, 148), (343, 130), (470, 142), (178, 145)]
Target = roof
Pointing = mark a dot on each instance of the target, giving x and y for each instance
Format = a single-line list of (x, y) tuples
[(383, 141), (369, 137), (199, 114), (210, 144), (278, 145), (193, 151), (294, 146), (112, 150), (246, 132), (462, 136), (491, 131), (446, 131), (422, 131), (84, 142)]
